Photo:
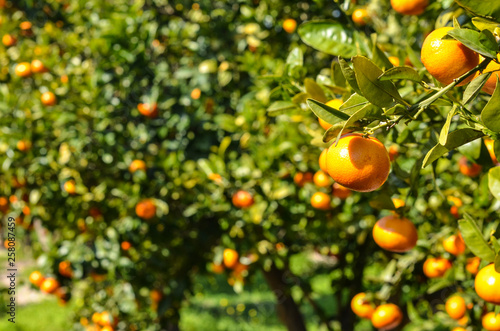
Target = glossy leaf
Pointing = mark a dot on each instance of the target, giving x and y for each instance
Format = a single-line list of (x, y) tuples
[(490, 114), (485, 8), (455, 139), (314, 90), (474, 87), (494, 181), (400, 73), (471, 39), (474, 239), (484, 24), (443, 136), (329, 37), (379, 93), (326, 113), (349, 75)]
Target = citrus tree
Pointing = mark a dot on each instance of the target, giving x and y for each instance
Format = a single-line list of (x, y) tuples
[(158, 140)]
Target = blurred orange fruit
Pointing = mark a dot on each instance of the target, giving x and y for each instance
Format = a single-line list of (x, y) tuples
[(341, 192), (491, 322), (321, 179), (49, 285), (468, 168), (37, 67), (436, 267), (195, 94), (320, 200), (361, 307), (24, 145), (48, 99), (387, 316), (289, 25), (9, 40), (334, 103), (145, 209), (455, 307), (301, 178), (23, 69), (242, 199), (454, 245), (36, 278), (70, 187), (125, 245), (360, 17), (409, 7), (148, 110), (137, 165), (230, 257), (472, 265), (395, 234)]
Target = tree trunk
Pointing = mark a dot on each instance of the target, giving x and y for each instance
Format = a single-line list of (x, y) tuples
[(286, 308)]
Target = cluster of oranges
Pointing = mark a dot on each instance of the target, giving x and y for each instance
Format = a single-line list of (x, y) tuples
[(48, 285), (231, 260), (103, 321), (386, 316)]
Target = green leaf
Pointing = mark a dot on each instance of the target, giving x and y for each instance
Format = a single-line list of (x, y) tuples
[(329, 37), (494, 181), (490, 114), (406, 73), (369, 112), (470, 38), (295, 58), (472, 149), (326, 113), (474, 87), (485, 8), (382, 201), (279, 107), (333, 131), (484, 24), (474, 239), (337, 76), (314, 90), (412, 312), (349, 75), (455, 139), (443, 136), (353, 104), (379, 93), (414, 58), (496, 149), (378, 57), (487, 39)]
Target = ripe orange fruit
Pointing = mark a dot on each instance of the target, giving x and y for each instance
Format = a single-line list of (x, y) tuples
[(49, 285), (491, 322), (145, 209), (321, 179), (65, 269), (215, 177), (301, 178), (107, 328), (448, 59), (23, 69), (289, 25), (472, 265), (455, 307), (490, 146), (37, 67), (97, 277), (435, 267), (239, 268), (48, 99), (394, 60), (398, 203), (25, 25), (322, 160), (36, 278), (491, 83), (334, 103), (70, 187), (468, 168), (24, 145), (361, 307), (320, 200), (487, 284), (360, 17), (4, 204), (196, 94), (155, 295), (458, 328), (409, 7), (148, 110), (105, 319), (341, 192), (9, 40), (395, 234), (387, 316), (96, 317), (137, 165), (393, 152), (64, 79), (230, 257), (125, 245), (454, 245), (242, 199), (358, 163), (217, 268)]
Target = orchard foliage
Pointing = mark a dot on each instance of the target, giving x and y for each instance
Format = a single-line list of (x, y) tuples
[(162, 140)]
